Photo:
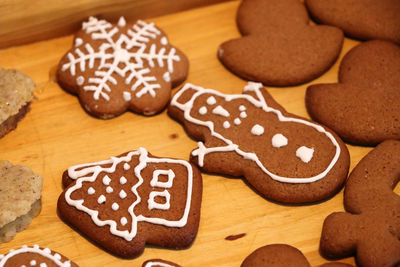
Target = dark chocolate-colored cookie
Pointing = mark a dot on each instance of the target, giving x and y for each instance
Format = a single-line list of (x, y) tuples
[(285, 157), (361, 19), (133, 199), (370, 229), (279, 45), (364, 107), (115, 67)]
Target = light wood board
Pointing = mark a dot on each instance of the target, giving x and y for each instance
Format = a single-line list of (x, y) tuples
[(57, 133)]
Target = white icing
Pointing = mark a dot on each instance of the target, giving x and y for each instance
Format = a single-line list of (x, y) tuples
[(80, 80), (86, 173), (258, 102), (257, 130), (43, 265), (211, 100), (237, 121), (219, 110), (123, 55), (164, 40), (123, 180), (305, 154), (124, 221), (91, 191), (109, 189), (203, 110), (127, 96), (106, 180), (243, 115), (152, 204), (279, 140), (78, 42), (156, 182), (101, 199), (36, 250), (242, 108), (115, 206), (126, 167), (226, 124), (167, 77), (57, 256), (122, 194), (157, 263)]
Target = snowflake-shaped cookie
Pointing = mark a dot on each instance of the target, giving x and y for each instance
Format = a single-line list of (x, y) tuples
[(118, 67)]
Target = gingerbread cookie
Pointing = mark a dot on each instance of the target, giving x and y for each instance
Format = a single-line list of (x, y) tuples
[(286, 158), (34, 256), (16, 95), (361, 19), (363, 108), (133, 199), (370, 229), (159, 263), (281, 255), (279, 45), (115, 67)]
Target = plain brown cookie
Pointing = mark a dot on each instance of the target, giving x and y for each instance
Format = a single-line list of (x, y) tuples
[(363, 108), (159, 263), (361, 19), (370, 229), (133, 199), (284, 157), (116, 67), (34, 256), (279, 46), (281, 255)]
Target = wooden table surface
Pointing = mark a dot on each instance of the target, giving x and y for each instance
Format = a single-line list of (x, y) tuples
[(57, 133)]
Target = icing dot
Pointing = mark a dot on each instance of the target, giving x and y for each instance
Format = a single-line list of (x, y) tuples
[(124, 221), (211, 100), (43, 265), (101, 199), (226, 124), (91, 191), (237, 121), (243, 115), (106, 180), (305, 153), (115, 206), (80, 80), (122, 180), (167, 77), (32, 263), (57, 256), (36, 246), (47, 250), (219, 110), (122, 22), (257, 130), (242, 108), (109, 189), (127, 96), (203, 110), (23, 265), (78, 41), (164, 41), (126, 167), (279, 140), (122, 194)]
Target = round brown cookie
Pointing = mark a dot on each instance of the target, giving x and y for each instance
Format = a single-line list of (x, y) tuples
[(127, 201), (284, 157), (363, 108), (361, 19), (16, 94), (115, 67), (279, 46), (34, 256), (370, 229), (159, 263), (281, 255)]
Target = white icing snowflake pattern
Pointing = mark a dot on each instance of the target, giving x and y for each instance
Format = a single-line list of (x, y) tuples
[(120, 54)]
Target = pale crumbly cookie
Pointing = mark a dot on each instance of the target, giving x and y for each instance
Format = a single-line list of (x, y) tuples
[(279, 46), (133, 199), (370, 229), (16, 94), (284, 157), (34, 256), (116, 67), (363, 107), (20, 198), (361, 19)]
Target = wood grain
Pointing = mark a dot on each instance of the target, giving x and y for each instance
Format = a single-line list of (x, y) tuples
[(25, 21), (57, 133)]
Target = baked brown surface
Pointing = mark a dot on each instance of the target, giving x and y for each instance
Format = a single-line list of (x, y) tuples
[(134, 194), (279, 46), (370, 228), (361, 19), (116, 67), (363, 108)]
